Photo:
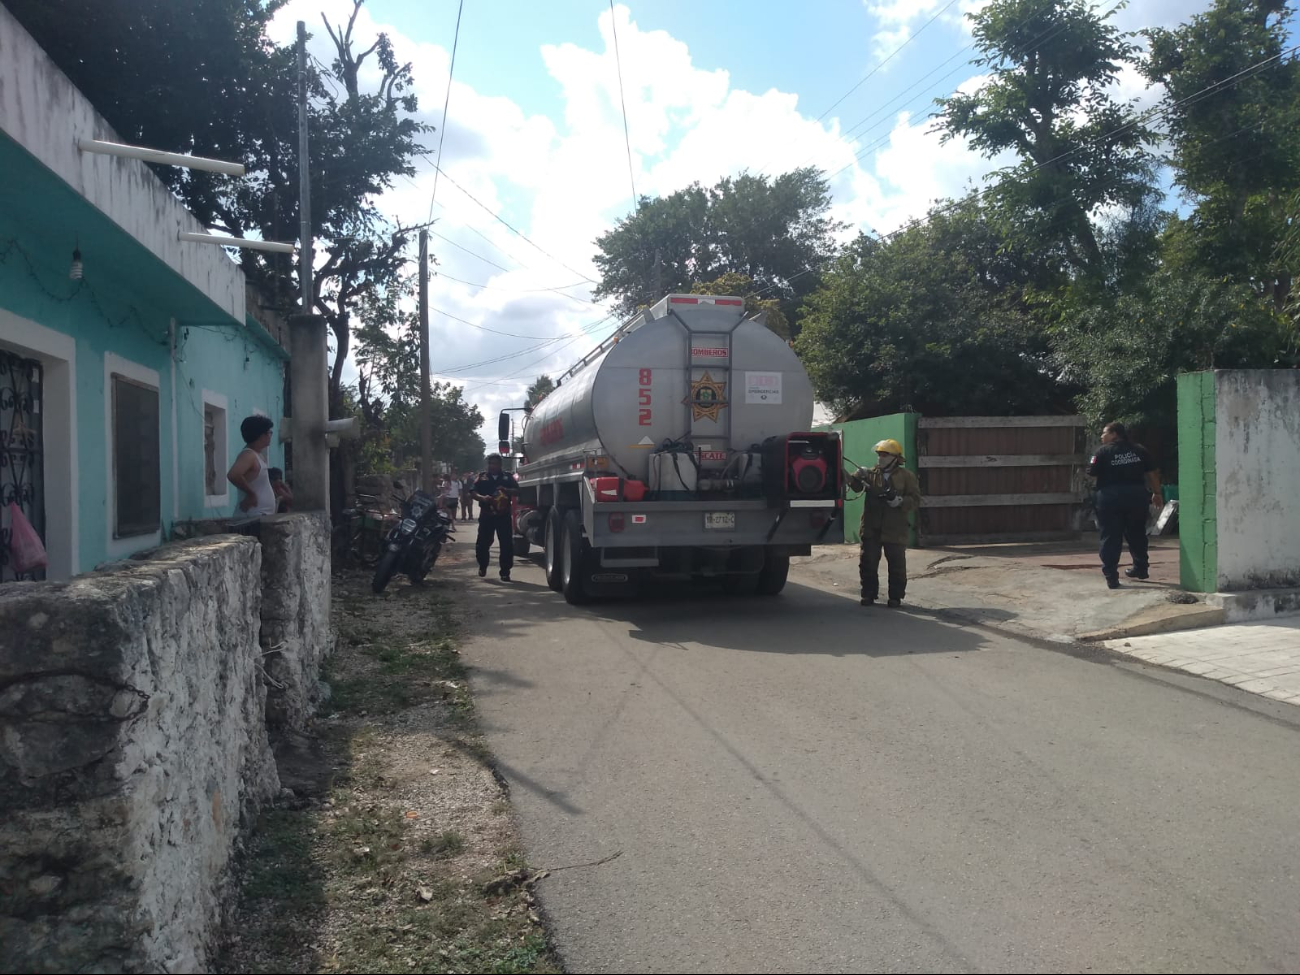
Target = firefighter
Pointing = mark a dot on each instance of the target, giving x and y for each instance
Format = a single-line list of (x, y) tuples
[(1127, 482), (493, 490), (890, 492)]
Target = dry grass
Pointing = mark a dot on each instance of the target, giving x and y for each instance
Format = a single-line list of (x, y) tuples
[(401, 855)]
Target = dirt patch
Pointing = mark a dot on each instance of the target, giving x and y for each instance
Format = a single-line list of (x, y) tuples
[(396, 850)]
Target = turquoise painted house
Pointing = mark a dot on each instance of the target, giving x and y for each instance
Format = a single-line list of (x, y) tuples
[(128, 357)]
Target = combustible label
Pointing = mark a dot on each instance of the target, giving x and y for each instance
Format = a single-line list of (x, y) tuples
[(709, 353), (707, 456), (763, 387)]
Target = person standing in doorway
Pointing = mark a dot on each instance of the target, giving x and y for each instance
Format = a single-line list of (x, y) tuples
[(250, 472), (1127, 484), (890, 492), (493, 490)]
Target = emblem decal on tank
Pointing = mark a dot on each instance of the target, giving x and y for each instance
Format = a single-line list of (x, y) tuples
[(707, 398)]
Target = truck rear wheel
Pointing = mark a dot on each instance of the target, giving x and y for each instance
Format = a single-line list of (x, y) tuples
[(553, 531), (771, 580), (577, 560)]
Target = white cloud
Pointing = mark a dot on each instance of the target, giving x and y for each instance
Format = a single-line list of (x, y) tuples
[(563, 180)]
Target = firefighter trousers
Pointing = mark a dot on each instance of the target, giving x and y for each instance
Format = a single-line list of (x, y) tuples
[(869, 567)]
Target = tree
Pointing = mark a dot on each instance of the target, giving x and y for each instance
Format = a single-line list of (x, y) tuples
[(934, 319), (1232, 107), (387, 393), (742, 286), (1050, 64), (1125, 354), (202, 77), (776, 232), (542, 387)]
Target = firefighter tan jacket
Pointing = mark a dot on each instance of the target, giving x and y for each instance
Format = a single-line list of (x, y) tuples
[(879, 520)]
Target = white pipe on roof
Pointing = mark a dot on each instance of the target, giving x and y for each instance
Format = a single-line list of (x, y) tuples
[(254, 245), (157, 156)]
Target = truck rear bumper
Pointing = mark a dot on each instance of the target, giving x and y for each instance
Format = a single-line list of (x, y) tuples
[(710, 524)]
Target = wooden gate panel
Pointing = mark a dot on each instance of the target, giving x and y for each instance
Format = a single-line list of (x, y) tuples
[(1000, 478)]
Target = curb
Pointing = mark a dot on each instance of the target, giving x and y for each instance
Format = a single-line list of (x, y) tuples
[(1188, 618)]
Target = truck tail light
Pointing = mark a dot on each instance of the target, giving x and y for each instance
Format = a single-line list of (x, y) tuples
[(616, 522)]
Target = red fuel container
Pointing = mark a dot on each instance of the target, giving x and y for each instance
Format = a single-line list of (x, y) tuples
[(608, 488), (633, 490)]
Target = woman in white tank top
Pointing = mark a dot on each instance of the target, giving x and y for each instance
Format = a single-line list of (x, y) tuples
[(250, 472)]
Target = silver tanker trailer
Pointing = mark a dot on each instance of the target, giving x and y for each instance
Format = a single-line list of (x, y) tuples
[(679, 447)]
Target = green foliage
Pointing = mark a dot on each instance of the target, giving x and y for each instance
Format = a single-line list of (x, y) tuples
[(1050, 64), (776, 232), (742, 286), (202, 77), (388, 393), (1125, 354), (542, 387), (932, 320), (1234, 123)]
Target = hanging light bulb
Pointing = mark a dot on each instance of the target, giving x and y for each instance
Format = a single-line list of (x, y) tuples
[(77, 270)]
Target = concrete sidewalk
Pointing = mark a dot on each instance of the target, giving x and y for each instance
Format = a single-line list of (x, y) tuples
[(1048, 592), (1263, 658), (1055, 592)]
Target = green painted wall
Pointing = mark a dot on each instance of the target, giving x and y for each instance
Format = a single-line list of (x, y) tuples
[(129, 314), (860, 438), (1197, 478)]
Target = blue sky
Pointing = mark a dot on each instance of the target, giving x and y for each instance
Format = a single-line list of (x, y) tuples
[(534, 135)]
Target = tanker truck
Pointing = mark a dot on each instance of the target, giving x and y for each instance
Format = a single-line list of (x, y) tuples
[(679, 447)]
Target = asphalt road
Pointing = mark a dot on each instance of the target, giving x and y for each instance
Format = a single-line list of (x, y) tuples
[(801, 785)]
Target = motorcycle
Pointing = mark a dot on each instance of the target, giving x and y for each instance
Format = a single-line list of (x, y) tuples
[(414, 543)]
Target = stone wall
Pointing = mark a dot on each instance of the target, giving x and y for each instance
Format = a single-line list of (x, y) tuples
[(133, 749), (296, 633)]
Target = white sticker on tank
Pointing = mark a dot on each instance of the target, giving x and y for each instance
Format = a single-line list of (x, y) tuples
[(763, 387)]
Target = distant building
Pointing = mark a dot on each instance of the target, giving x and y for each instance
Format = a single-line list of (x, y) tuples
[(128, 357)]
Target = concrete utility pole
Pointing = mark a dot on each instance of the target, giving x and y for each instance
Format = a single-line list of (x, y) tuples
[(426, 406), (308, 350)]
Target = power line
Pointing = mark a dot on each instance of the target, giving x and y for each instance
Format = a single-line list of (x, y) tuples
[(1045, 35), (627, 137), (1139, 119), (501, 380), (509, 226), (468, 251), (519, 291), (484, 328), (442, 134), (880, 65), (948, 6)]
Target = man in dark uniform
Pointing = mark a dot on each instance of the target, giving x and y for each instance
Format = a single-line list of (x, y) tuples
[(493, 491), (1127, 483)]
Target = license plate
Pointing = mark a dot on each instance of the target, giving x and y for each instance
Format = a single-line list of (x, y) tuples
[(719, 520)]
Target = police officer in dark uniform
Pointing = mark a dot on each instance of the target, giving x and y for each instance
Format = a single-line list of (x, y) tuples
[(493, 491), (1127, 483)]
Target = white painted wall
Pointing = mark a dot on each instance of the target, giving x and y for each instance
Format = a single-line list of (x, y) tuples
[(1257, 457), (42, 111)]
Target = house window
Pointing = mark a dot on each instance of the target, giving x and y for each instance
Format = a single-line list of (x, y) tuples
[(136, 478), (215, 457)]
